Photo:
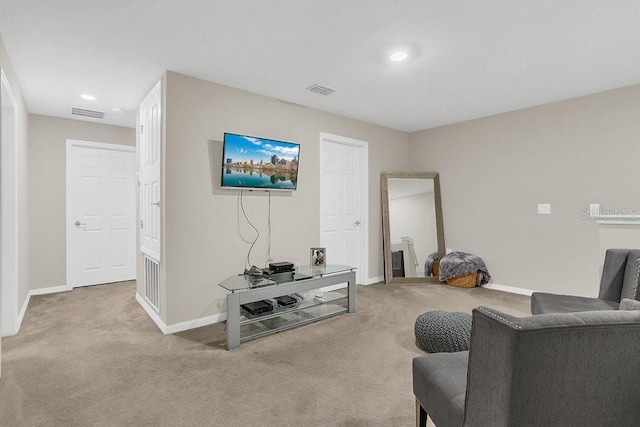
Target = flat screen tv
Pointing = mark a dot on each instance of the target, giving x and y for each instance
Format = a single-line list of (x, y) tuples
[(249, 162)]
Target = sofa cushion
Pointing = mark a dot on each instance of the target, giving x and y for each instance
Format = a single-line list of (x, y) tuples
[(631, 276), (440, 384), (629, 304), (542, 303)]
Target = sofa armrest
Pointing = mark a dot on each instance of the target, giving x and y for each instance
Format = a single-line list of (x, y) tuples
[(615, 261), (629, 304), (490, 372), (557, 369)]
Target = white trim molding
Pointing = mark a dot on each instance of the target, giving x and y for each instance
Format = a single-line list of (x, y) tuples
[(182, 326), (25, 304), (509, 289), (618, 220), (151, 312), (196, 323), (49, 290), (373, 280), (9, 222)]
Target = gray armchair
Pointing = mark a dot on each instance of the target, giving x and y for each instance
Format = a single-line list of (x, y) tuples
[(568, 369), (619, 280)]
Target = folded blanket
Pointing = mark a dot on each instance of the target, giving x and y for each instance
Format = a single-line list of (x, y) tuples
[(457, 264)]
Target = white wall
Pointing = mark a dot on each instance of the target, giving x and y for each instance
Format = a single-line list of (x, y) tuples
[(494, 171), (22, 133), (202, 246), (47, 198)]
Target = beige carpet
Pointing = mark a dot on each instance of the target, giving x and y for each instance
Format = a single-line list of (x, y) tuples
[(92, 357)]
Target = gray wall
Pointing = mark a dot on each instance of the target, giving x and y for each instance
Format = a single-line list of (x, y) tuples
[(22, 133), (494, 171), (201, 241), (47, 198)]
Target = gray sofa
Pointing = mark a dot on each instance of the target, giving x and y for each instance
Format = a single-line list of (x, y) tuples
[(567, 369), (619, 280)]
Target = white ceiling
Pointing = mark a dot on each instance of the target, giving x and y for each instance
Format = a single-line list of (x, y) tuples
[(468, 59)]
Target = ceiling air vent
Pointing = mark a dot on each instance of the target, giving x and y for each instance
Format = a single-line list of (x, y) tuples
[(87, 113), (322, 90)]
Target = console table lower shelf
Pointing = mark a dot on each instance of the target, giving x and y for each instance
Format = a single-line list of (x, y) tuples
[(243, 326)]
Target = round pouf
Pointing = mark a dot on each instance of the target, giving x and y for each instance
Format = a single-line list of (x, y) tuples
[(443, 331)]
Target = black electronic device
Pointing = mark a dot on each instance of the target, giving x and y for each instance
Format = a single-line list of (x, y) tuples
[(281, 267), (254, 271), (257, 307), (286, 300)]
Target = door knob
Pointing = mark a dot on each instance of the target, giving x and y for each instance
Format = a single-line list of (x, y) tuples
[(155, 204), (80, 224), (357, 222)]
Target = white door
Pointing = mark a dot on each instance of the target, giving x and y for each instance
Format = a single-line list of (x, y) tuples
[(343, 207), (100, 213), (150, 172)]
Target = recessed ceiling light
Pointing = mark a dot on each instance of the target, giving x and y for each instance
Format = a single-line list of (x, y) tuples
[(398, 56), (116, 110), (88, 97)]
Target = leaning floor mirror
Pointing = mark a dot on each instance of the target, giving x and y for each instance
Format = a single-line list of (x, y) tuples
[(413, 232)]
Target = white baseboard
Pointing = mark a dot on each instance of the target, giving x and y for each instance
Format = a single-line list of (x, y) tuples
[(510, 289), (182, 326), (369, 281), (372, 280), (152, 313), (49, 290), (25, 304), (196, 323), (23, 311)]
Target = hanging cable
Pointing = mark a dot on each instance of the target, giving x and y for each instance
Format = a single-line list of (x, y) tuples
[(269, 259), (248, 263), (244, 239)]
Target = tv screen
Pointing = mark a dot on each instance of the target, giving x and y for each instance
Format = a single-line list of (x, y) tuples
[(259, 163)]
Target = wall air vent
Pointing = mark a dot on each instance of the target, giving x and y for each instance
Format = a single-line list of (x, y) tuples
[(152, 282), (87, 113), (322, 90)]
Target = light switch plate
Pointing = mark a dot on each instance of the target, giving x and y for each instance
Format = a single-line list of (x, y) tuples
[(544, 208)]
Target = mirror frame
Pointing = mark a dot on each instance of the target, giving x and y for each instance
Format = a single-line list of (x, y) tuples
[(386, 229)]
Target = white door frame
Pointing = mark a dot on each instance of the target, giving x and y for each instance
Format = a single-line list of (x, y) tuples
[(9, 323), (71, 143), (363, 149)]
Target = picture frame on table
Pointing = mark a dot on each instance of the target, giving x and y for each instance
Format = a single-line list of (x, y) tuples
[(318, 257)]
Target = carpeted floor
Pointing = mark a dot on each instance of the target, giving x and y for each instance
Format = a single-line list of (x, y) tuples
[(92, 357)]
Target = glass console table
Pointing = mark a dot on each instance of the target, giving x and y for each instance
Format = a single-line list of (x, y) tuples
[(301, 284)]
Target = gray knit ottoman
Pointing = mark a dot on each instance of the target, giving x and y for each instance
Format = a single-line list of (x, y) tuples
[(443, 331)]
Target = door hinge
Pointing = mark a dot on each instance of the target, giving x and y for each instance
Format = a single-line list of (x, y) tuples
[(141, 224), (141, 129)]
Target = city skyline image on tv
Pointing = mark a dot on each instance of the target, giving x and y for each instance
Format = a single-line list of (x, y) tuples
[(252, 162)]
